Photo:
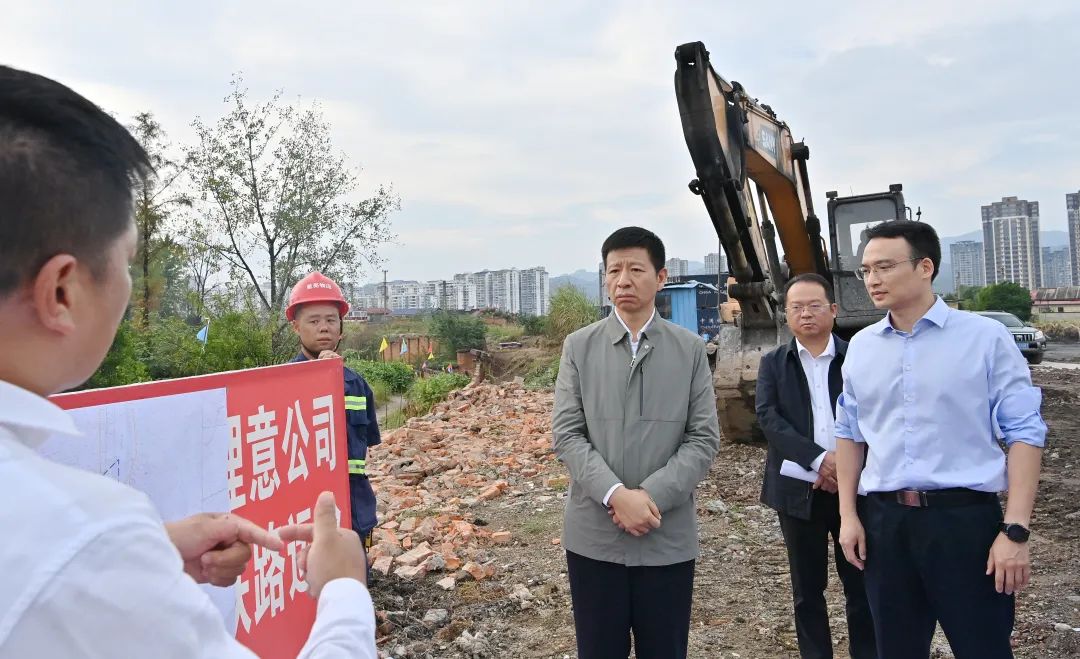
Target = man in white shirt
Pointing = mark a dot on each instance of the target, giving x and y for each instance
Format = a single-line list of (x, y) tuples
[(90, 570), (798, 384)]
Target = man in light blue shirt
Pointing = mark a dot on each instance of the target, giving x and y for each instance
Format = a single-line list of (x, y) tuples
[(929, 393)]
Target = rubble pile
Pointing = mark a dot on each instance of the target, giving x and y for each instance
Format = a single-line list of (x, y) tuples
[(484, 442)]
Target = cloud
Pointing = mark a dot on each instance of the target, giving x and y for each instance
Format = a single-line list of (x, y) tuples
[(521, 134)]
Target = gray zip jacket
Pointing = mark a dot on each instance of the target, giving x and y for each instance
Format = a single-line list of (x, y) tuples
[(648, 422)]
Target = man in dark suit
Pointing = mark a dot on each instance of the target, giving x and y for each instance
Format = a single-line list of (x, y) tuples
[(797, 387)]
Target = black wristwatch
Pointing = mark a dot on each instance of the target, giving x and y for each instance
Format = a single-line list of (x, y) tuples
[(1015, 532)]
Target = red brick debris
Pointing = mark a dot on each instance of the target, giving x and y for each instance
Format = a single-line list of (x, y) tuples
[(483, 443)]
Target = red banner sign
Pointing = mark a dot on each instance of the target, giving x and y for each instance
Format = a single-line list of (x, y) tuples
[(287, 443)]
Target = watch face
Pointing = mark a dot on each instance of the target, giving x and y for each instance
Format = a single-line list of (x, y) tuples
[(1016, 533)]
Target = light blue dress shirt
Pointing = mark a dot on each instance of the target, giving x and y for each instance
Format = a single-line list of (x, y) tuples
[(932, 404)]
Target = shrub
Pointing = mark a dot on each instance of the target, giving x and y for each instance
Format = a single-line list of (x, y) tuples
[(570, 311), (543, 375), (426, 393), (397, 376), (1061, 332), (535, 325)]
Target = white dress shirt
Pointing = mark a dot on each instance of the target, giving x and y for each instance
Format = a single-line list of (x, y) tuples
[(817, 379), (89, 571), (635, 341)]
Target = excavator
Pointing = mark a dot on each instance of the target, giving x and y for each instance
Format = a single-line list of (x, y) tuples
[(748, 169)]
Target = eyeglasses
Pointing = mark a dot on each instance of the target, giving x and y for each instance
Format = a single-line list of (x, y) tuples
[(816, 308), (882, 268)]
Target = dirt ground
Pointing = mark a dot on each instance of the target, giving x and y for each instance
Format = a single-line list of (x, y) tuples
[(1063, 352), (742, 600)]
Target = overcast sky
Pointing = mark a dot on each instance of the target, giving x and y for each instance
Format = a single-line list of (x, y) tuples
[(521, 134)]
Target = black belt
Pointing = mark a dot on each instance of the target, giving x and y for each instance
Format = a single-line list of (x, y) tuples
[(954, 496)]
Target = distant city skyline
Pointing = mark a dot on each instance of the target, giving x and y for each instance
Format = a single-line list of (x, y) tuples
[(524, 291), (956, 274)]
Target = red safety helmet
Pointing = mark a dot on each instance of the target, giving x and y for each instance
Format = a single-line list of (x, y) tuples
[(316, 287)]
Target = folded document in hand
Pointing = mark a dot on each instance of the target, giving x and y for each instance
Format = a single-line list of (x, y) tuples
[(794, 470)]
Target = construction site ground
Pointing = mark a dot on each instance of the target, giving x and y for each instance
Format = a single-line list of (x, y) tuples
[(471, 504)]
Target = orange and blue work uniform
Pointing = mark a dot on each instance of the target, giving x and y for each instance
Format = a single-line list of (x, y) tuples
[(363, 432)]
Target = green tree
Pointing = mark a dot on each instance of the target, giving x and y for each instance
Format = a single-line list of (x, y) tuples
[(201, 263), (280, 201), (155, 199), (1005, 296), (236, 340), (570, 311), (966, 295), (122, 364), (456, 332)]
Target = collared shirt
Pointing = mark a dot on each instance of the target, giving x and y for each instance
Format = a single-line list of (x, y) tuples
[(817, 379), (633, 351), (635, 343), (931, 403), (90, 571)]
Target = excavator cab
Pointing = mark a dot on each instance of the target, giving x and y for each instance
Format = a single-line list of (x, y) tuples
[(849, 220)]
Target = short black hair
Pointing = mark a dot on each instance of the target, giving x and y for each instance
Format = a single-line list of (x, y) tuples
[(67, 171), (811, 278), (628, 237), (921, 237)]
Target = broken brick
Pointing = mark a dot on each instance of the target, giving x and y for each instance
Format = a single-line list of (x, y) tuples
[(475, 571), (490, 493), (410, 572), (382, 565), (416, 555), (446, 584), (560, 481)]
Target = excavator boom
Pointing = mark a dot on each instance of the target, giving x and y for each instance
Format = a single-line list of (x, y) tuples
[(735, 140)]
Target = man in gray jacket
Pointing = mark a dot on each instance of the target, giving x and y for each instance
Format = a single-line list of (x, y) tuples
[(635, 423)]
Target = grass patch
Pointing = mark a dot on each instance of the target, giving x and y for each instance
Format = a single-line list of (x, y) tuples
[(542, 523), (478, 592), (543, 375), (499, 333), (394, 420)]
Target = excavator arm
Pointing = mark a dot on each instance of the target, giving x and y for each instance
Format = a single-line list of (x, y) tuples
[(748, 166), (733, 138)]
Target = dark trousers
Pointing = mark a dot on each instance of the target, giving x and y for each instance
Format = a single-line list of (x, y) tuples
[(928, 565), (613, 601), (808, 555)]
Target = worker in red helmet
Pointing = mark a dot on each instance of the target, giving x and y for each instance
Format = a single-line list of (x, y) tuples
[(316, 311)]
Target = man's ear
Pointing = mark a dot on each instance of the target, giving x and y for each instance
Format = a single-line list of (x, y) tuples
[(53, 292), (295, 325)]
